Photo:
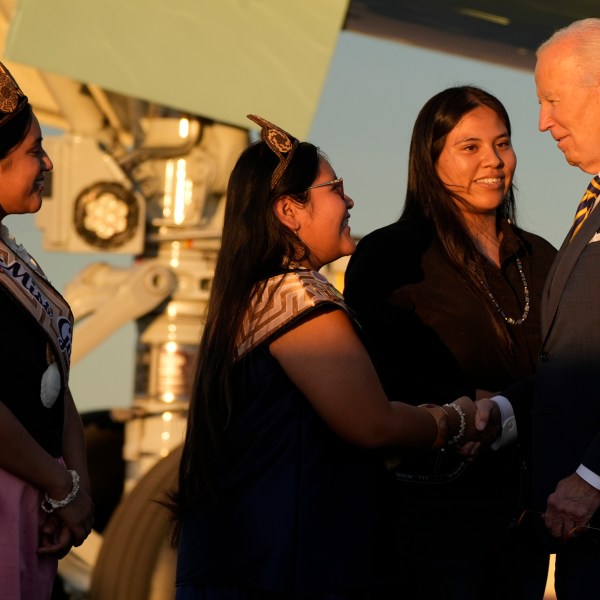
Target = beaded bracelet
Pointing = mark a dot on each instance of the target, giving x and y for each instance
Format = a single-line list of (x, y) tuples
[(462, 426), (50, 504)]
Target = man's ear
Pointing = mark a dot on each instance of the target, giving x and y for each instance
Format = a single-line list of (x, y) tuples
[(287, 211)]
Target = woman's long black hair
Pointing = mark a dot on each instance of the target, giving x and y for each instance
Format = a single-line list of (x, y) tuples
[(427, 198), (255, 245)]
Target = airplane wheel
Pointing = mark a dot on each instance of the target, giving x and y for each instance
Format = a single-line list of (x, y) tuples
[(135, 561)]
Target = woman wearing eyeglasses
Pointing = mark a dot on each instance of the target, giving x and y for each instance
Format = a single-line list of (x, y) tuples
[(449, 299), (278, 484)]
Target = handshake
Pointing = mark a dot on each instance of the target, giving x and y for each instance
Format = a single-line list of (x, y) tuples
[(466, 425)]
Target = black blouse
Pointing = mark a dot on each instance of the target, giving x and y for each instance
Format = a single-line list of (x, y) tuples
[(432, 339), (23, 359), (429, 334)]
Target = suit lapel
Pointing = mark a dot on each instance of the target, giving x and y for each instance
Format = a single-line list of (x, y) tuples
[(563, 266)]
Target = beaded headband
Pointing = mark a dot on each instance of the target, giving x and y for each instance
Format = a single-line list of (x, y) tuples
[(280, 142), (15, 111)]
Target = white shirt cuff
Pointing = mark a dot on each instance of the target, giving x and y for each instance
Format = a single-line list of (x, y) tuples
[(589, 476), (508, 421)]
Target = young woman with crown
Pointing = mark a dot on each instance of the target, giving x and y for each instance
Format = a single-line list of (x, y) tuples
[(45, 506), (279, 480)]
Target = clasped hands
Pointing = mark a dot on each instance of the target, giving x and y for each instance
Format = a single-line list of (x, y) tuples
[(67, 527), (483, 425), (570, 507), (573, 503)]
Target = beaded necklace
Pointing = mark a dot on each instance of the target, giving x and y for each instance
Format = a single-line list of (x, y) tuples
[(508, 319)]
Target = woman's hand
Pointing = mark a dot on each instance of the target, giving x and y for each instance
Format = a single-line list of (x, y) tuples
[(68, 526), (55, 538), (466, 411), (78, 516)]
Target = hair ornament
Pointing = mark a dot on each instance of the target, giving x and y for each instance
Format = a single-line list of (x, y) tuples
[(280, 142), (15, 112), (10, 92)]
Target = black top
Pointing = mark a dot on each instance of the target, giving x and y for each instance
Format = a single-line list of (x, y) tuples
[(297, 509), (23, 360), (432, 340)]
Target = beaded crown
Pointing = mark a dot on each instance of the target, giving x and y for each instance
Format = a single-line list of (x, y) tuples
[(15, 112), (12, 98), (282, 143)]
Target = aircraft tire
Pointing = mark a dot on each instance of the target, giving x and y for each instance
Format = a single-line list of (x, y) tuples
[(135, 561)]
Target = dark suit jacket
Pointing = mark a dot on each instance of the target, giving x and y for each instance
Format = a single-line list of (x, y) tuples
[(566, 394)]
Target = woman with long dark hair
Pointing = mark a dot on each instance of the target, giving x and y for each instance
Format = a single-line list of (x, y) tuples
[(278, 484), (449, 299)]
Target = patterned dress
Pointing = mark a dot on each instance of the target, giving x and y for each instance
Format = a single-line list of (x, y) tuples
[(298, 513)]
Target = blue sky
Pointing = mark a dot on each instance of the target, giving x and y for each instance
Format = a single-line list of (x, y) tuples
[(364, 120)]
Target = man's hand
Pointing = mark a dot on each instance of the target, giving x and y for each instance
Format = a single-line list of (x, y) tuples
[(487, 420), (571, 506), (488, 426)]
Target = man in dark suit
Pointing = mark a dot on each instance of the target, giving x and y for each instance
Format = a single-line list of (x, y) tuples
[(566, 388)]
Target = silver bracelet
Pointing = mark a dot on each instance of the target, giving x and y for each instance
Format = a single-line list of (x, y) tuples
[(50, 504), (463, 424)]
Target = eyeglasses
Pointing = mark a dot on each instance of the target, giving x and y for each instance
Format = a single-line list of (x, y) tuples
[(576, 531), (337, 184)]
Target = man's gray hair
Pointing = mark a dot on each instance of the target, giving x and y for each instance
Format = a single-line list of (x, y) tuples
[(584, 37)]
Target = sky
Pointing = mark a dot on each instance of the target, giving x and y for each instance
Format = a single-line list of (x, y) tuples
[(371, 97)]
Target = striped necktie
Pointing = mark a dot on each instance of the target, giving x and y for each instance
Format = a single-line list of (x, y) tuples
[(586, 204)]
